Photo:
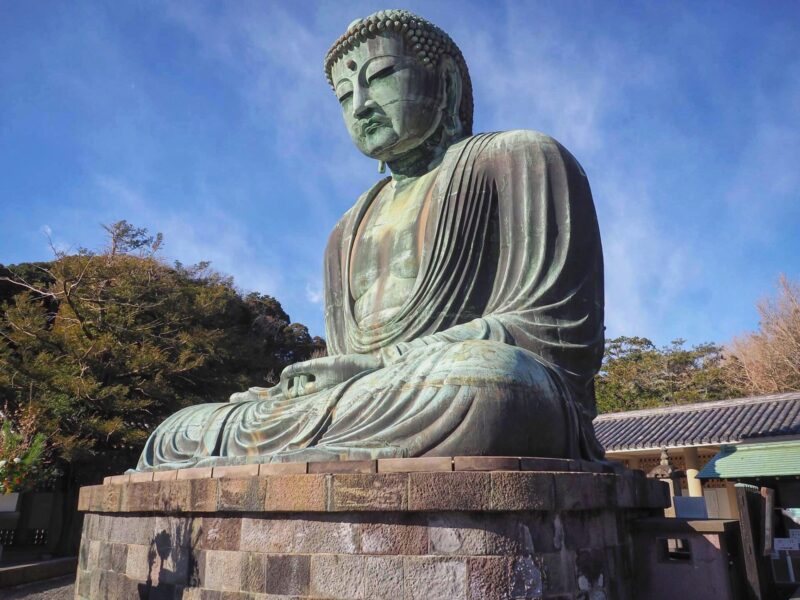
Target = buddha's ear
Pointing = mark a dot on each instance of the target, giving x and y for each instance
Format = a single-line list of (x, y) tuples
[(451, 83)]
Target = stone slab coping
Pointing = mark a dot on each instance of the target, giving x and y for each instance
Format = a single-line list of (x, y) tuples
[(385, 465), (29, 572), (199, 491)]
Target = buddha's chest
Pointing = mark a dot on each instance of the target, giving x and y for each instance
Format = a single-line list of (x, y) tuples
[(388, 245)]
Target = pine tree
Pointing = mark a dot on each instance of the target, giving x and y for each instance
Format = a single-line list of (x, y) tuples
[(105, 345), (767, 361), (637, 374)]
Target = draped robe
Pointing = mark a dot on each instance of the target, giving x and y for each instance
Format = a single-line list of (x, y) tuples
[(492, 353)]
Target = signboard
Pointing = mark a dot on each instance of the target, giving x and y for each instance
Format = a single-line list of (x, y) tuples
[(786, 544)]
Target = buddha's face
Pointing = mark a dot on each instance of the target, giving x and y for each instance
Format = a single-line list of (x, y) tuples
[(391, 103)]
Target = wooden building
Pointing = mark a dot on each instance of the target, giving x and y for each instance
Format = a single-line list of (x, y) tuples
[(693, 434)]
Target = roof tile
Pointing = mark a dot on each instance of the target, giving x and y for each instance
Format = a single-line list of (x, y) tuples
[(710, 423)]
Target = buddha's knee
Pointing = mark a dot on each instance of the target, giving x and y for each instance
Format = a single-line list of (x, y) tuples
[(486, 363), (516, 408)]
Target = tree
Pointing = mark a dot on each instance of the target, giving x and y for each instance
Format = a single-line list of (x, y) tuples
[(105, 345), (22, 449), (768, 361), (636, 374)]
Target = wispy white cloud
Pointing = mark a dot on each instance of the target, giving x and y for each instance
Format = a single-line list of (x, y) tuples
[(766, 184), (314, 292), (647, 272), (122, 195), (54, 244), (276, 59), (207, 233)]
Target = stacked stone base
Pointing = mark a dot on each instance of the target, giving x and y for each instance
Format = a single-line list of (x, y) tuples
[(438, 535)]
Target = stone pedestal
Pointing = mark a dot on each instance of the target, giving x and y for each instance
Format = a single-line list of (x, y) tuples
[(407, 529)]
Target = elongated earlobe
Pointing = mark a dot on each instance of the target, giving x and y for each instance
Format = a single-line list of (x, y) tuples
[(452, 100)]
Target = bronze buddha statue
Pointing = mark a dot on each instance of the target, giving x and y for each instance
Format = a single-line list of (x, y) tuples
[(463, 294)]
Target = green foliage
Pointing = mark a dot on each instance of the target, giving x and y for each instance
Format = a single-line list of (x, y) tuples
[(636, 374), (22, 451), (107, 345)]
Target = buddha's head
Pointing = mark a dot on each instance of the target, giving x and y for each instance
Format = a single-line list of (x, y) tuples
[(402, 84)]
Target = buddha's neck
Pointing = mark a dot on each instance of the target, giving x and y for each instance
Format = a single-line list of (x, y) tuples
[(421, 159)]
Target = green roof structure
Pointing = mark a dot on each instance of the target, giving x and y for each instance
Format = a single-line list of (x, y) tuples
[(757, 460)]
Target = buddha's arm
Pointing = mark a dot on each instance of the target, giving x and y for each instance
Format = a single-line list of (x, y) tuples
[(311, 376), (484, 328)]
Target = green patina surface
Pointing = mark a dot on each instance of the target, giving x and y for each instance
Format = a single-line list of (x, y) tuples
[(745, 461), (463, 294)]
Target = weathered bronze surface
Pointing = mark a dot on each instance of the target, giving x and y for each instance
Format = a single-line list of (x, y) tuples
[(463, 294)]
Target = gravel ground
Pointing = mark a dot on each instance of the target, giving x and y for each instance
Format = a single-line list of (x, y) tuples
[(59, 588)]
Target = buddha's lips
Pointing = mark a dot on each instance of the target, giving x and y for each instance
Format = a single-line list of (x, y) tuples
[(371, 126)]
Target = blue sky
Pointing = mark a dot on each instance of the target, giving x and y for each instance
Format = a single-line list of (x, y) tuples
[(212, 123)]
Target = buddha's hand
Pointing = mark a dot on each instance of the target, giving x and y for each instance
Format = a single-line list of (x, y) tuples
[(315, 375)]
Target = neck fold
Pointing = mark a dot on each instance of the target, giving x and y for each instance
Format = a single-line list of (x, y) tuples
[(423, 158)]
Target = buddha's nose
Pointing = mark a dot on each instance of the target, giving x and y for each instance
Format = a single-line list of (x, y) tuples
[(362, 103)]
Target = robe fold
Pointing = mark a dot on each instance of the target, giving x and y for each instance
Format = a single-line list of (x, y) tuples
[(493, 352)]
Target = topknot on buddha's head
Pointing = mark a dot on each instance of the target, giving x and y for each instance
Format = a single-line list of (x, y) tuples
[(424, 40)]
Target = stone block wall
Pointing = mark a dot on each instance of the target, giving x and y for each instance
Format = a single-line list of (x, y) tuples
[(419, 535)]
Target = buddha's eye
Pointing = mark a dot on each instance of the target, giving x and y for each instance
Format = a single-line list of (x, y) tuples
[(381, 72), (345, 96)]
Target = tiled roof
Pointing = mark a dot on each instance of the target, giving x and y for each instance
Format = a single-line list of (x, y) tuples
[(702, 424)]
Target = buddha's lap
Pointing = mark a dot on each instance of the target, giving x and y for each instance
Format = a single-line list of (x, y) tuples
[(497, 390), (496, 396), (474, 363), (477, 362)]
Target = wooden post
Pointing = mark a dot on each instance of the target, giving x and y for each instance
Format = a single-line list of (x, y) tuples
[(730, 490), (769, 514), (759, 581)]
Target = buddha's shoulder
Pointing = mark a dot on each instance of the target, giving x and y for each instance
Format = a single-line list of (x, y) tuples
[(346, 220), (515, 140)]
